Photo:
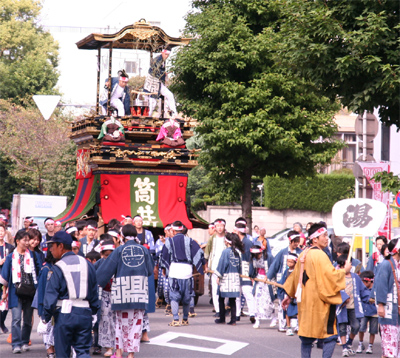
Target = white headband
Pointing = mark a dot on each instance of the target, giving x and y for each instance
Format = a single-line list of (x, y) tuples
[(319, 232), (49, 221), (293, 237), (132, 238), (107, 247), (71, 229), (241, 229), (292, 256), (91, 227), (177, 228), (112, 233), (396, 249), (256, 250), (228, 241)]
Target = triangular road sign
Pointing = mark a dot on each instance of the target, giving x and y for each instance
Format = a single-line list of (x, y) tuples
[(46, 104)]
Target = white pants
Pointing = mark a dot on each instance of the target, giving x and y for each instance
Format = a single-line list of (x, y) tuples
[(117, 103), (169, 99), (214, 294), (248, 295), (281, 318)]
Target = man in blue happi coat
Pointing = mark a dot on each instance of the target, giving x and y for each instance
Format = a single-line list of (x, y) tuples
[(71, 297), (178, 256)]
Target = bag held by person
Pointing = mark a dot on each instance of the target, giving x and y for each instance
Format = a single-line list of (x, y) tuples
[(25, 290)]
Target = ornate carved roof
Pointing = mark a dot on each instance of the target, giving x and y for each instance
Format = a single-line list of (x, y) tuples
[(141, 36)]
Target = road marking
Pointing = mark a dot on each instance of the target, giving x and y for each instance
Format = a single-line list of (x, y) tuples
[(226, 347)]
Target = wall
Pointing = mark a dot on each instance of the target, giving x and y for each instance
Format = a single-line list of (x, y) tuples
[(394, 146), (272, 220)]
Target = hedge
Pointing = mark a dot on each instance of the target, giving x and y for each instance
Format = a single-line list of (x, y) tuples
[(318, 193)]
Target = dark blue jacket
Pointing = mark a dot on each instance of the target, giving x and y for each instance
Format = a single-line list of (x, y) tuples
[(57, 289), (131, 265)]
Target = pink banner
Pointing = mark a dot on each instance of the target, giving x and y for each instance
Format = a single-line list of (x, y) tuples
[(369, 170)]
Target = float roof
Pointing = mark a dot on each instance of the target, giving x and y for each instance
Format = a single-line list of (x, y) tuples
[(139, 36)]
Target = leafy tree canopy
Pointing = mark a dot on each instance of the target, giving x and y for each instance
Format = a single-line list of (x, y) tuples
[(255, 118), (42, 155), (349, 49), (28, 54)]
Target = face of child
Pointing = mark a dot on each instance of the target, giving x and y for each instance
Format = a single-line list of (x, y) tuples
[(291, 263), (368, 284), (75, 250), (379, 244)]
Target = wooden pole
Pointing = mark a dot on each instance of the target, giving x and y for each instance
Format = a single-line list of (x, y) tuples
[(351, 248), (256, 279)]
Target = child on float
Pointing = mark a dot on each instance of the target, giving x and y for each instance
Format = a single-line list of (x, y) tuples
[(106, 325), (228, 274), (260, 261), (370, 315), (291, 312), (351, 310)]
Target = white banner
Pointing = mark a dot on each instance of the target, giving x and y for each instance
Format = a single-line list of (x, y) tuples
[(358, 216)]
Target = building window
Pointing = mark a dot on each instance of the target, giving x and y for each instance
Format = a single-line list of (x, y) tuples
[(130, 66), (348, 154), (385, 147)]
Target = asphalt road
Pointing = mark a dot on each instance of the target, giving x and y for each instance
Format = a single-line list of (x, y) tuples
[(202, 338)]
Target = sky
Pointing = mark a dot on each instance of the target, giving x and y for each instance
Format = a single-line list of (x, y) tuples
[(76, 65), (102, 13)]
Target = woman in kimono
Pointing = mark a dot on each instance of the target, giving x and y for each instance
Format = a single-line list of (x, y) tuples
[(386, 299), (263, 293), (131, 265), (20, 268), (5, 249), (228, 274)]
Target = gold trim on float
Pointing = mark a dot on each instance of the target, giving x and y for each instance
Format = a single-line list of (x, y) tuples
[(129, 170)]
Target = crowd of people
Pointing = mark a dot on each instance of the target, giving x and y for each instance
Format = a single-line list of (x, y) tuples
[(81, 283)]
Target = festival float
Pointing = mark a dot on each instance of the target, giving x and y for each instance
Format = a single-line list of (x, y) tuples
[(122, 169)]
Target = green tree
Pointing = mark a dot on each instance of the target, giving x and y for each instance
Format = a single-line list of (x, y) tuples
[(28, 54), (43, 156), (8, 184), (256, 120), (389, 181), (350, 49)]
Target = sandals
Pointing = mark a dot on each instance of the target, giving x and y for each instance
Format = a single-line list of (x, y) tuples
[(174, 324), (185, 322), (168, 311), (159, 303)]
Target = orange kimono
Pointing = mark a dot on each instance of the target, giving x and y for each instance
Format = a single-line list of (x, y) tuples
[(321, 285)]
